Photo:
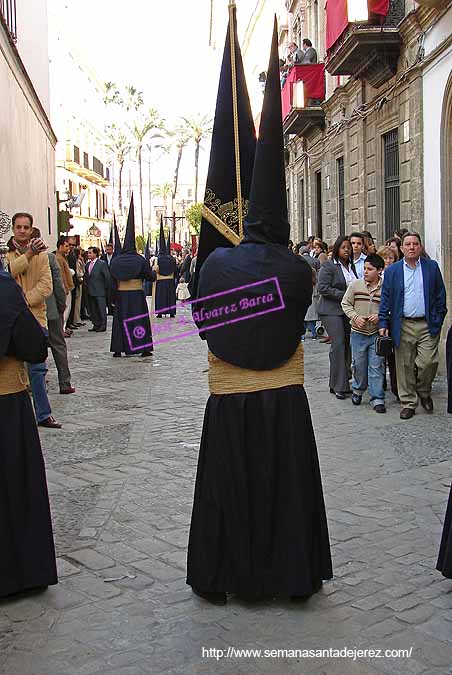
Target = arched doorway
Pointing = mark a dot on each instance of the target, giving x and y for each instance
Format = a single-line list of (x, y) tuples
[(446, 196)]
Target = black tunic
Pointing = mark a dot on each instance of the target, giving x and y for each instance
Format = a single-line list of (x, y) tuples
[(258, 524), (444, 564), (165, 293), (130, 304), (449, 369), (27, 558)]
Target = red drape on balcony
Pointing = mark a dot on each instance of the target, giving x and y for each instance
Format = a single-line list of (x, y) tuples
[(380, 7), (336, 20), (313, 78), (337, 17)]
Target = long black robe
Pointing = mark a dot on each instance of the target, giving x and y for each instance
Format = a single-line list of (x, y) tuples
[(130, 304), (27, 558), (165, 293), (444, 564), (449, 369), (258, 524)]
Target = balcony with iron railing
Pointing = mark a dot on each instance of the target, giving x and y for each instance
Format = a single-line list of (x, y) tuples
[(362, 38), (9, 16), (301, 98)]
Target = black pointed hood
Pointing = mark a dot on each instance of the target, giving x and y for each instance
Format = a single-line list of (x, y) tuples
[(267, 220), (129, 245), (221, 184), (168, 243), (162, 242), (110, 238), (117, 241), (147, 248)]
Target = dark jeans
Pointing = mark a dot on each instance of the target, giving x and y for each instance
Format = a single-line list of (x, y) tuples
[(98, 310), (37, 374)]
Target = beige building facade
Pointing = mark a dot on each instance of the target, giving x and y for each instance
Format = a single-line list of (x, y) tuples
[(27, 139), (78, 116), (355, 160)]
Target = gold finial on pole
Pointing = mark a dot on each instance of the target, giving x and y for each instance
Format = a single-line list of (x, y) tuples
[(232, 7)]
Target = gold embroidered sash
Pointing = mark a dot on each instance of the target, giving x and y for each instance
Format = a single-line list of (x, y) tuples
[(130, 285), (161, 277), (225, 378), (13, 376)]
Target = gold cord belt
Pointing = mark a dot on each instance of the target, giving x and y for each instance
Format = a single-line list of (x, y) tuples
[(161, 277), (225, 378), (13, 376), (130, 285)]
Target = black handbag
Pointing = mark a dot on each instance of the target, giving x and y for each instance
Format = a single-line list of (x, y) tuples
[(384, 345)]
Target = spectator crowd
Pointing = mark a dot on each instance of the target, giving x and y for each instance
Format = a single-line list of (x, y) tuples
[(381, 309), (64, 289)]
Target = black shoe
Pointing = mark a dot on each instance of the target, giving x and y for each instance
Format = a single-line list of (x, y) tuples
[(213, 598), (407, 413), (116, 355), (144, 354), (427, 404), (356, 399), (92, 330), (380, 408), (340, 396), (332, 391)]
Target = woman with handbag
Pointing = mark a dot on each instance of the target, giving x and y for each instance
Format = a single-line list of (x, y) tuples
[(335, 276)]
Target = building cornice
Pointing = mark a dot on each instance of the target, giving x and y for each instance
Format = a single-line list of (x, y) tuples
[(10, 53)]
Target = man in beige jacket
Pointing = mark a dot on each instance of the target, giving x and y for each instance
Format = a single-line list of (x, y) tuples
[(29, 265)]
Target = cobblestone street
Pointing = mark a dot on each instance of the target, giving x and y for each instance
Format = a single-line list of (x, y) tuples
[(121, 478)]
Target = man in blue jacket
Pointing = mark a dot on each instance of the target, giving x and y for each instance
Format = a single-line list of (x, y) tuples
[(413, 307)]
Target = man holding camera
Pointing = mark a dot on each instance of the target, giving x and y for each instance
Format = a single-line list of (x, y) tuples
[(29, 266)]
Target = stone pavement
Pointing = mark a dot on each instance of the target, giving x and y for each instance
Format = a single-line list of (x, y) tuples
[(121, 478)]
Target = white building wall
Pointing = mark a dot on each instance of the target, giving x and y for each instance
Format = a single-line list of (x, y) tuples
[(435, 78), (32, 41), (27, 157)]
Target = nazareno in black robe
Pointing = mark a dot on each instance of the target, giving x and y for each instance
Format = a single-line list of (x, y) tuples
[(27, 558), (444, 564), (165, 292), (258, 524), (130, 304)]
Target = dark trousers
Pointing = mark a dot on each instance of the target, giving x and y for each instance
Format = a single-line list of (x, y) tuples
[(70, 320), (84, 308), (59, 350), (98, 310), (338, 328)]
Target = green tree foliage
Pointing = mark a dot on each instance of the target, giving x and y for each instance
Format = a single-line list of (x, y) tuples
[(194, 217), (140, 243)]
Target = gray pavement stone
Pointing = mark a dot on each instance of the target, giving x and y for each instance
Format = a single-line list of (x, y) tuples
[(121, 479), (92, 559)]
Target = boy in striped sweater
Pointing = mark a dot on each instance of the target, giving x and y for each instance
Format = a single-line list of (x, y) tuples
[(361, 303)]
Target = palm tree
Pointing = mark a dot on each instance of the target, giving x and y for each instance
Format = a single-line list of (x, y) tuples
[(182, 135), (163, 191), (140, 129), (200, 128), (112, 95), (133, 99), (118, 144)]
